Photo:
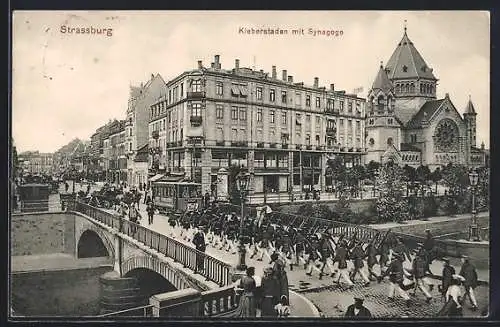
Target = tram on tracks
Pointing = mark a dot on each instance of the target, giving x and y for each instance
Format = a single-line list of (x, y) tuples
[(176, 197)]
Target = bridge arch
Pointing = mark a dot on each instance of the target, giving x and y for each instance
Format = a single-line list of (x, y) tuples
[(93, 234), (149, 282), (172, 275)]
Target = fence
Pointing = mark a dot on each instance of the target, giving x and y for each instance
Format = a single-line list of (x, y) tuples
[(200, 263)]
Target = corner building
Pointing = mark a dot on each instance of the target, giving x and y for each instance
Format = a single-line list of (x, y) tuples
[(283, 132)]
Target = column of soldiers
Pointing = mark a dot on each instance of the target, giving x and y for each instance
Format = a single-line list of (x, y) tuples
[(341, 257)]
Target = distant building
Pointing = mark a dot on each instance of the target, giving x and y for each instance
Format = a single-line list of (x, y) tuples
[(114, 153), (34, 162), (406, 123), (283, 131)]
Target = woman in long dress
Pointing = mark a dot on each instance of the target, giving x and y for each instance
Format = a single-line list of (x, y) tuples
[(270, 293), (247, 286)]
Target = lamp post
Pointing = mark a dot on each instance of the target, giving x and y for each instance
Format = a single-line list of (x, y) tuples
[(243, 183), (473, 229)]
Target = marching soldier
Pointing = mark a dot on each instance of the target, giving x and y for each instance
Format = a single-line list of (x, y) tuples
[(371, 259), (358, 256), (469, 273), (314, 255), (396, 277), (341, 257), (418, 269), (447, 276)]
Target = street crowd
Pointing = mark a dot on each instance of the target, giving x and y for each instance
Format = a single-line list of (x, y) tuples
[(341, 257)]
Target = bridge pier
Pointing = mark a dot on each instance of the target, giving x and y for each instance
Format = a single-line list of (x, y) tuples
[(118, 293)]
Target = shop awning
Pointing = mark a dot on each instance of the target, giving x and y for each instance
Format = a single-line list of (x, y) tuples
[(156, 177)]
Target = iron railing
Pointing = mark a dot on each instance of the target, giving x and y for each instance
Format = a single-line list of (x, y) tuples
[(211, 268)]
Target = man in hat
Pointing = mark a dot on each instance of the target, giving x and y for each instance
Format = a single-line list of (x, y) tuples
[(358, 310), (358, 256), (429, 247), (469, 273), (448, 272)]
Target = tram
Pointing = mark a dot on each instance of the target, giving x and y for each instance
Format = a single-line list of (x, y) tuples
[(177, 196)]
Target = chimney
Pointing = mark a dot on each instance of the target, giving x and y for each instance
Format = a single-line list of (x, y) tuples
[(217, 62), (332, 87), (212, 65), (284, 75), (482, 145), (290, 79), (237, 64), (262, 70), (446, 95), (152, 76), (316, 82), (200, 64), (274, 72)]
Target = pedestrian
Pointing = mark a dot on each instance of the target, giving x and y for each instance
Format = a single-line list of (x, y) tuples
[(199, 243), (448, 272), (283, 307), (371, 259), (358, 310), (270, 293), (247, 288), (279, 274), (134, 217), (396, 278), (469, 273), (151, 211), (453, 299)]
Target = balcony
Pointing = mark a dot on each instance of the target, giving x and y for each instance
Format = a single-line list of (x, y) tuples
[(351, 149), (219, 143), (195, 95), (331, 131), (239, 144), (331, 111), (319, 147), (272, 145), (260, 144), (155, 134), (195, 121), (309, 147), (298, 147), (284, 146)]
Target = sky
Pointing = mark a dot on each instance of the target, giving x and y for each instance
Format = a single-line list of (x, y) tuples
[(65, 86)]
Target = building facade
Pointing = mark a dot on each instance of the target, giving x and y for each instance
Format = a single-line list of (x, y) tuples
[(406, 122), (137, 122), (34, 162), (283, 132), (114, 153)]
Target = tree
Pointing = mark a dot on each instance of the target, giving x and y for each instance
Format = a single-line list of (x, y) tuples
[(456, 178), (436, 176), (410, 175), (391, 203), (371, 169), (339, 171), (422, 175)]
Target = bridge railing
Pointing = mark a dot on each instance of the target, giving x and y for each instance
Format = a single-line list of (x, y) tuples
[(199, 262), (142, 311)]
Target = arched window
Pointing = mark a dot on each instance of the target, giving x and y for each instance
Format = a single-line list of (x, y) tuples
[(406, 88), (432, 89), (421, 88), (398, 88), (380, 103), (412, 87)]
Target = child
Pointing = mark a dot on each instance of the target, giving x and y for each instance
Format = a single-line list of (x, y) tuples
[(282, 308)]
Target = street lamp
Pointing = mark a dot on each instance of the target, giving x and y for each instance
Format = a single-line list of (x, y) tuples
[(243, 184), (473, 229)]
